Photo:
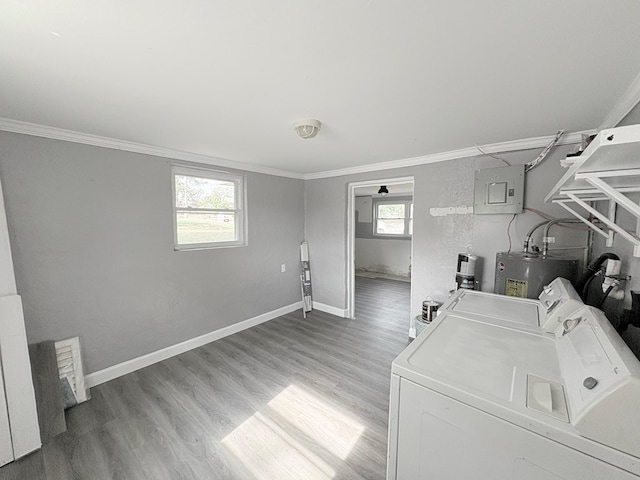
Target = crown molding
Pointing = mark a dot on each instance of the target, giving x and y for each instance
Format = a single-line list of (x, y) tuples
[(515, 145), (54, 133), (630, 99), (36, 130)]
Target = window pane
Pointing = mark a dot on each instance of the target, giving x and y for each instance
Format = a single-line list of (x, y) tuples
[(393, 226), (201, 192), (395, 210), (202, 227)]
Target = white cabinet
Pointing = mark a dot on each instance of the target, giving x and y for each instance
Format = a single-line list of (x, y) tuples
[(18, 384), (19, 431), (6, 447)]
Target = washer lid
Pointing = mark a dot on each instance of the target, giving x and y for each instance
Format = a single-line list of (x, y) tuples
[(517, 310), (478, 357)]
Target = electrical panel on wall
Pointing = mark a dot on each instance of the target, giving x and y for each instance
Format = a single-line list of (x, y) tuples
[(499, 190)]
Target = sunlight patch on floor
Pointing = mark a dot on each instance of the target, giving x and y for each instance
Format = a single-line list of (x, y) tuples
[(330, 428), (269, 452)]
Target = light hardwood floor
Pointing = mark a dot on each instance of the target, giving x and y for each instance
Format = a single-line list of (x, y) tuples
[(288, 399)]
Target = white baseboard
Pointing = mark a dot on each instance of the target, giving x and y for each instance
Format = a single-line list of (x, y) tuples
[(338, 312), (115, 371)]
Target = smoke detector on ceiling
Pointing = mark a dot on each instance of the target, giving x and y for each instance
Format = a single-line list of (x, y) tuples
[(307, 127)]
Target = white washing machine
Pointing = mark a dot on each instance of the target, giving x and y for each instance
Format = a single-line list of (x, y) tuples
[(558, 300), (482, 397)]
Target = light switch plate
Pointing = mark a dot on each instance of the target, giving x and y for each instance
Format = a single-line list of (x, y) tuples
[(499, 190)]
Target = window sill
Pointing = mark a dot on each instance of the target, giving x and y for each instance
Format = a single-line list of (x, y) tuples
[(190, 248), (392, 237)]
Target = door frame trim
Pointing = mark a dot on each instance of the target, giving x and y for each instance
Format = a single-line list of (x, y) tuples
[(351, 233)]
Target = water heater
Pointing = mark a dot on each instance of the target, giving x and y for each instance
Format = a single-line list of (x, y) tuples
[(524, 275)]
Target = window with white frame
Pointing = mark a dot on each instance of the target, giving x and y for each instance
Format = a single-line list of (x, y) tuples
[(208, 208), (393, 218)]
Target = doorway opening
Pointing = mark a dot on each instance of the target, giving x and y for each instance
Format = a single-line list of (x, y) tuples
[(379, 243)]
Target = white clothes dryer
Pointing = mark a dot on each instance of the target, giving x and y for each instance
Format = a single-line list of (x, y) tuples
[(482, 397)]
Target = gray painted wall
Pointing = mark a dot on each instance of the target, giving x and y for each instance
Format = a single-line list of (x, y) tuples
[(490, 231), (379, 254), (91, 233), (383, 256), (436, 240), (92, 242)]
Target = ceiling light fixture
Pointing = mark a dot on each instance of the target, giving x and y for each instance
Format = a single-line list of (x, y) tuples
[(383, 191), (307, 127)]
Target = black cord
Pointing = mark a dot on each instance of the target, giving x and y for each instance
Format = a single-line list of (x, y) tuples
[(604, 297), (592, 269), (585, 289)]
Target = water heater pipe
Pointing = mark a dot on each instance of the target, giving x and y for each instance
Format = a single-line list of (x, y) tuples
[(545, 235), (527, 239)]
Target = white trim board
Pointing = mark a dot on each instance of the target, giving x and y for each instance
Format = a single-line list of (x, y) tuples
[(351, 235), (338, 312), (44, 131), (54, 133), (626, 103), (503, 147), (115, 371)]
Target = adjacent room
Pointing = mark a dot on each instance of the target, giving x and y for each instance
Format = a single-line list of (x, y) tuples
[(238, 238)]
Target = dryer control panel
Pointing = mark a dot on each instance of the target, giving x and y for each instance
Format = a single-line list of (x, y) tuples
[(602, 380), (559, 300)]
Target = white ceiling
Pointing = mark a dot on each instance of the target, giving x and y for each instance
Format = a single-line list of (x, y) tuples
[(389, 80)]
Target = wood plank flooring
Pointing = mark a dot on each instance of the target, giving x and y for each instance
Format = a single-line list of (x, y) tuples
[(288, 399)]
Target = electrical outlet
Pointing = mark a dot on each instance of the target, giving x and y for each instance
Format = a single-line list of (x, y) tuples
[(283, 268)]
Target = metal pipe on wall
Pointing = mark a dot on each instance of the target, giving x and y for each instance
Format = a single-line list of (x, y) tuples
[(545, 235)]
